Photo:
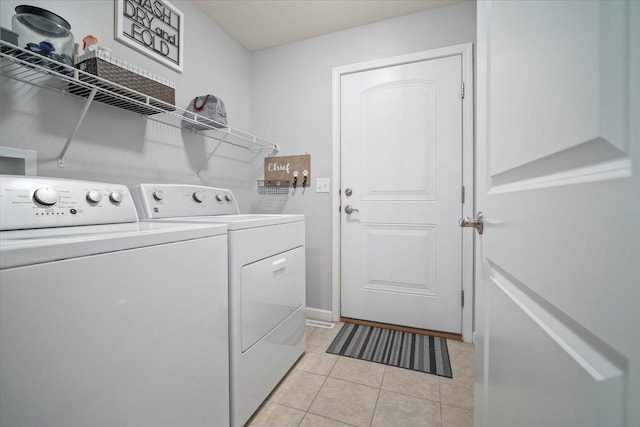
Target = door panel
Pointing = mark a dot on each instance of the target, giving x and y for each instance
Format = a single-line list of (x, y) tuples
[(401, 155), (565, 368), (558, 283), (412, 273), (586, 65), (408, 173)]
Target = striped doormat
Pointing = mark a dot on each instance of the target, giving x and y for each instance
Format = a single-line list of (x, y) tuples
[(396, 348)]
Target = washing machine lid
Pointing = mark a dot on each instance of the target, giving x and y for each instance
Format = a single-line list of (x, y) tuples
[(27, 247), (240, 221)]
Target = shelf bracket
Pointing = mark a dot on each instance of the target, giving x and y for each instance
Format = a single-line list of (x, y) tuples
[(73, 133), (211, 155)]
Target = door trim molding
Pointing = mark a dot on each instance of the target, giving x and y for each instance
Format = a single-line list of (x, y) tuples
[(468, 169)]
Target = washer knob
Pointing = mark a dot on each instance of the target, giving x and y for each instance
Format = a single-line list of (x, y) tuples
[(46, 196), (94, 196), (198, 196), (219, 197), (228, 197), (115, 197), (158, 195)]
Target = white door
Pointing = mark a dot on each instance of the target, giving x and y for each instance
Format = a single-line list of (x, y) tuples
[(401, 172), (557, 332)]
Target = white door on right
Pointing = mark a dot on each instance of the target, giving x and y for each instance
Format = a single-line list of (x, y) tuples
[(558, 181)]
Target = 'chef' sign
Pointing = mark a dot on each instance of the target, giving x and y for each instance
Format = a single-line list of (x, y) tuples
[(154, 27)]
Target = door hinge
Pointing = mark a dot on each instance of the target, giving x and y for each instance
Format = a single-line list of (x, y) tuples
[(462, 91), (462, 297), (462, 194)]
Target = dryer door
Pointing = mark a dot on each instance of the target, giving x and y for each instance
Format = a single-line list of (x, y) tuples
[(271, 289)]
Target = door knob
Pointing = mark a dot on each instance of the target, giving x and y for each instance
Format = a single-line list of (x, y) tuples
[(349, 209), (476, 222)]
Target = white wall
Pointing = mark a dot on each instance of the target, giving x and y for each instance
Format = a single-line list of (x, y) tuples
[(291, 105), (119, 146), (282, 94)]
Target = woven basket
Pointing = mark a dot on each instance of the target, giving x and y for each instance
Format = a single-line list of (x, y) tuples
[(128, 79)]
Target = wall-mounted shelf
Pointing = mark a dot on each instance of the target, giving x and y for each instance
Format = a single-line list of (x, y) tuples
[(268, 186), (27, 67)]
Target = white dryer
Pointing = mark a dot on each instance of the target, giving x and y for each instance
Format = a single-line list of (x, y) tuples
[(106, 321), (266, 284)]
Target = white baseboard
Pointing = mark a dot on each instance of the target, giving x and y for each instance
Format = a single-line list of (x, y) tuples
[(319, 314)]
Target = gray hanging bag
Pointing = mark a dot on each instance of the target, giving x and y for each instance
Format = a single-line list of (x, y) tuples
[(210, 110)]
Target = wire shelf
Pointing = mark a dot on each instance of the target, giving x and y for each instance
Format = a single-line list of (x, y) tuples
[(34, 69)]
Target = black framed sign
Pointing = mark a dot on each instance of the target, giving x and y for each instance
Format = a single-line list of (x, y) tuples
[(153, 27)]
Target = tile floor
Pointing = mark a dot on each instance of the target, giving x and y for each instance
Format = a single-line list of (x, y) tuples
[(327, 390)]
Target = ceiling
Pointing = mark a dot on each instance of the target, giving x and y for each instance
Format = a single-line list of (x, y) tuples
[(258, 24)]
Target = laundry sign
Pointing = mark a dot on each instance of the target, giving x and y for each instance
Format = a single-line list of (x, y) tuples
[(295, 169), (153, 27)]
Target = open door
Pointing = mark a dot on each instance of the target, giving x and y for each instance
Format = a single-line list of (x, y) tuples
[(558, 263)]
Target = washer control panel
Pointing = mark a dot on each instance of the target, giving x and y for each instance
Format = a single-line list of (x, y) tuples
[(155, 201), (37, 202)]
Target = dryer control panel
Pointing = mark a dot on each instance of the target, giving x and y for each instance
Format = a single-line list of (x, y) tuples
[(155, 201), (37, 202)]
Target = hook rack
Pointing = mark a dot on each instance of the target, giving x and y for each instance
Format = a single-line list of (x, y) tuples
[(37, 70)]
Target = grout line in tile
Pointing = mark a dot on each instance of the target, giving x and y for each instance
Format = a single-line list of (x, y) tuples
[(378, 397), (314, 398), (329, 418), (422, 399), (302, 419), (458, 406), (384, 366)]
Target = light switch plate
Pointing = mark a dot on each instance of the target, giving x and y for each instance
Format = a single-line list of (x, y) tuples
[(322, 185)]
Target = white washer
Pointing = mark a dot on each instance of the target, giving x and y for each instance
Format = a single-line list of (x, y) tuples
[(266, 284), (117, 323)]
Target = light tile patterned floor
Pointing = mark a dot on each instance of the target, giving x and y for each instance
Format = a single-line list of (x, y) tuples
[(328, 390)]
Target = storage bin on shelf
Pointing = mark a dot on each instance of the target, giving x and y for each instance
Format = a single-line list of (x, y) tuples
[(125, 77)]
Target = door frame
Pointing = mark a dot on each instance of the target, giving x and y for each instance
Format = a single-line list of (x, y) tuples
[(468, 170)]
